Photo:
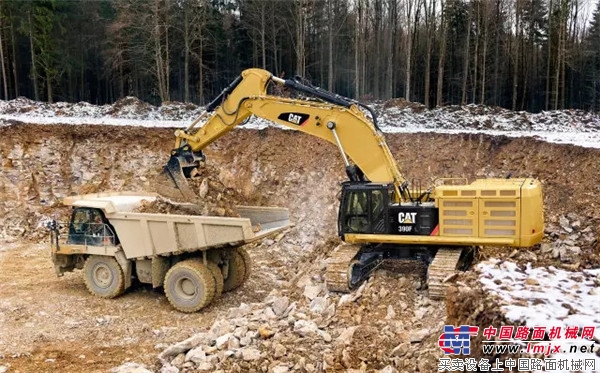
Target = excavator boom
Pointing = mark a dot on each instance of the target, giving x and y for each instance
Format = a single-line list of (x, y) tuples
[(333, 118)]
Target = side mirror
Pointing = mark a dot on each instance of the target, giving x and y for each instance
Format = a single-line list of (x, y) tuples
[(51, 225)]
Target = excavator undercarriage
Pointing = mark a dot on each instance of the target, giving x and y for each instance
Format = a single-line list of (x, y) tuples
[(349, 265)]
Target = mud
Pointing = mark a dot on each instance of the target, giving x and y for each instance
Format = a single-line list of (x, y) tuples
[(42, 164)]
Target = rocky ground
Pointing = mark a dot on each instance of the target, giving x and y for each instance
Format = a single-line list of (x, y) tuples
[(282, 319)]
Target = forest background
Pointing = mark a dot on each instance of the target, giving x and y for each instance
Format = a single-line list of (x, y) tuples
[(519, 54)]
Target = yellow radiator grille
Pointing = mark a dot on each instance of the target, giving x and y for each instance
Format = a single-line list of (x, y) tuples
[(499, 217), (458, 217)]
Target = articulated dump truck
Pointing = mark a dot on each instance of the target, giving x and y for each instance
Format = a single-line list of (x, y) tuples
[(194, 258)]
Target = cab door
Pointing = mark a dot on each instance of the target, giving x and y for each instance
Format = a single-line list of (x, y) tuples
[(89, 227), (79, 226), (363, 210)]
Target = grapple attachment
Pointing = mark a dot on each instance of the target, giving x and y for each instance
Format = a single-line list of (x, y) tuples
[(172, 181)]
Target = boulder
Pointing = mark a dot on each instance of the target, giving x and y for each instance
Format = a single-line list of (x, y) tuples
[(346, 336), (280, 351), (318, 305), (400, 350), (221, 342), (279, 305), (312, 291), (250, 354), (186, 345), (196, 355), (281, 369), (305, 328)]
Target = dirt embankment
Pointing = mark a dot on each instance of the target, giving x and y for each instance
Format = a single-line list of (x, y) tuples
[(42, 164)]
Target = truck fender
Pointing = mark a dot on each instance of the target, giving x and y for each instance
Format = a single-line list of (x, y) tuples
[(125, 266)]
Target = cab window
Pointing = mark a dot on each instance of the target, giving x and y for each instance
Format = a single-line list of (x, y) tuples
[(88, 227), (378, 211), (357, 212), (80, 221)]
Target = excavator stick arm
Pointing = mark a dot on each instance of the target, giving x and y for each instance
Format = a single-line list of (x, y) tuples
[(332, 117)]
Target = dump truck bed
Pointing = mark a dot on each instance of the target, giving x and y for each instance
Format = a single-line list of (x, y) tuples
[(148, 234)]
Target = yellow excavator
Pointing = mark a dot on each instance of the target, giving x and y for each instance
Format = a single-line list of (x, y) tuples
[(381, 217)]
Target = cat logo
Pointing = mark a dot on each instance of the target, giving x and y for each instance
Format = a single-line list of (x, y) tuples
[(295, 118), (407, 217)]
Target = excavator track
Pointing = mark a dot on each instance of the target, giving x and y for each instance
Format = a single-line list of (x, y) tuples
[(441, 270), (339, 268)]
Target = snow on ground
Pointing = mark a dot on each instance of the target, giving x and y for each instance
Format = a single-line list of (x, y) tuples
[(559, 126), (125, 108), (547, 296), (6, 119)]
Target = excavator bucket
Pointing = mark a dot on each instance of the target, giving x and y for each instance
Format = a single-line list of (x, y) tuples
[(172, 181)]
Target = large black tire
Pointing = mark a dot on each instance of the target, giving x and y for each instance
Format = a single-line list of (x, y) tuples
[(218, 276), (103, 276), (189, 286), (236, 273), (247, 263)]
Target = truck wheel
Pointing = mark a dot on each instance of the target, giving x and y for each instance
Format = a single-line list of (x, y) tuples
[(103, 276), (189, 286), (236, 273), (218, 276), (247, 263)]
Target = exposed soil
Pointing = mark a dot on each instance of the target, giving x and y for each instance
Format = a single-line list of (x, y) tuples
[(52, 324), (213, 198)]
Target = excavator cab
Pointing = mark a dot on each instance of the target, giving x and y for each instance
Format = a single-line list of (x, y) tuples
[(368, 208), (364, 208)]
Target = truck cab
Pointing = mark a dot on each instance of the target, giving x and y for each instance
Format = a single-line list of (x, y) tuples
[(88, 232), (89, 226)]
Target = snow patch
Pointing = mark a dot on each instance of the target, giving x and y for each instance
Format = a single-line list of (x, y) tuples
[(574, 127), (547, 296)]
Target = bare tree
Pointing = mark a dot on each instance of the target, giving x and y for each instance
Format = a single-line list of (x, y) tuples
[(515, 53), (358, 45), (254, 18), (300, 27), (389, 36), (194, 20), (34, 74), (377, 32), (4, 82), (142, 35), (497, 28), (548, 79), (274, 35), (14, 60), (467, 57), (430, 6), (485, 26), (440, 77), (412, 11), (159, 31)]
